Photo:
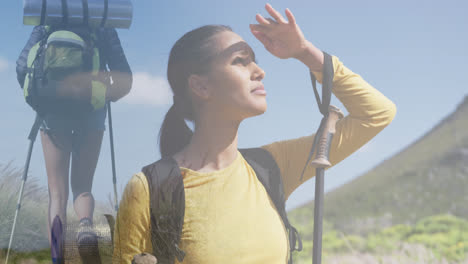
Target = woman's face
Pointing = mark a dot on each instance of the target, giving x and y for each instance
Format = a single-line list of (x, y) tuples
[(235, 79)]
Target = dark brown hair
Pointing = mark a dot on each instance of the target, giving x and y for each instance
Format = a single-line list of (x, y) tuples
[(191, 54)]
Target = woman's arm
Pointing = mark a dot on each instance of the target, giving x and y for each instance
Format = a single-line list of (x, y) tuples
[(132, 230), (369, 110), (118, 65), (21, 64)]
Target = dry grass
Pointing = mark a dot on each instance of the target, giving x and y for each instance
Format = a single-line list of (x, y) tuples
[(31, 222)]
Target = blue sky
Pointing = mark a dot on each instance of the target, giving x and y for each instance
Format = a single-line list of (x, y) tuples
[(414, 52)]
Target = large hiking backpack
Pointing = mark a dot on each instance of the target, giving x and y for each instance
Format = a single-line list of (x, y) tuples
[(167, 202), (64, 73)]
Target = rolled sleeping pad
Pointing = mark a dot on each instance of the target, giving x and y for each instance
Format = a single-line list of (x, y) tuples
[(95, 13)]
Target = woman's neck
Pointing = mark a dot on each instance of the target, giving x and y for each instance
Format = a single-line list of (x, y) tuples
[(213, 147)]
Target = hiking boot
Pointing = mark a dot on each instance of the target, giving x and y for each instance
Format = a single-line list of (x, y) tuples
[(87, 242)]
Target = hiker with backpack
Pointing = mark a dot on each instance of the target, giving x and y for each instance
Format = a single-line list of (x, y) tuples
[(205, 200), (69, 73)]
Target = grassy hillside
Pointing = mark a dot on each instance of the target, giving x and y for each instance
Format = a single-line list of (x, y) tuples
[(435, 239), (427, 178)]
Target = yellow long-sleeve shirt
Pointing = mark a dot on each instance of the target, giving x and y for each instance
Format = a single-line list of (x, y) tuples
[(229, 217)]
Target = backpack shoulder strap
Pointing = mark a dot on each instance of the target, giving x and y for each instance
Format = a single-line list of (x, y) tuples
[(269, 174), (167, 208)]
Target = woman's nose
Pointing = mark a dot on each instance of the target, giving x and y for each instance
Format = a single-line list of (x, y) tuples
[(258, 73)]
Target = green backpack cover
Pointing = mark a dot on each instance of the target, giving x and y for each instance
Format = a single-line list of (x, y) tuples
[(64, 73)]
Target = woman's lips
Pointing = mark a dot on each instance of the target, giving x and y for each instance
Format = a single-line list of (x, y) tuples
[(260, 90)]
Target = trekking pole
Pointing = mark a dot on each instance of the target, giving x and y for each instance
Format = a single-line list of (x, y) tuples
[(320, 163), (114, 177), (323, 138), (111, 137), (32, 138)]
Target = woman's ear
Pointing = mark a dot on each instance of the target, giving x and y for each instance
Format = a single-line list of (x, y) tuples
[(198, 85)]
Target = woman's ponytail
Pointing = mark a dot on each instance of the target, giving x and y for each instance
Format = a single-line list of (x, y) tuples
[(189, 55), (174, 134)]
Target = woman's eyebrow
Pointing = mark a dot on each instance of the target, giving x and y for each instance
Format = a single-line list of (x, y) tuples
[(240, 46)]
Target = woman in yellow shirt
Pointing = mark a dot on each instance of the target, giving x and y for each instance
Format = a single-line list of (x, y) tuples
[(229, 217)]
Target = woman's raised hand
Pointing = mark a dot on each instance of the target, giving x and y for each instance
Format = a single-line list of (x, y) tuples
[(282, 38)]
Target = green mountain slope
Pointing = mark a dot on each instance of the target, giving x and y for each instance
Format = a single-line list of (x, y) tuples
[(428, 177)]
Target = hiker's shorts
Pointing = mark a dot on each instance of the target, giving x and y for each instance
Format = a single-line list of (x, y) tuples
[(92, 122), (77, 129)]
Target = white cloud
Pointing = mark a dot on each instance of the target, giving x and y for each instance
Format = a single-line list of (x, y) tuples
[(149, 90), (3, 64)]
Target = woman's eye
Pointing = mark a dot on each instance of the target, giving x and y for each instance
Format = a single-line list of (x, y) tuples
[(244, 61), (239, 60)]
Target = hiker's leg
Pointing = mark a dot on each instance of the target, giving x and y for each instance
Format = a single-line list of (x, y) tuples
[(84, 161), (57, 147), (87, 139)]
